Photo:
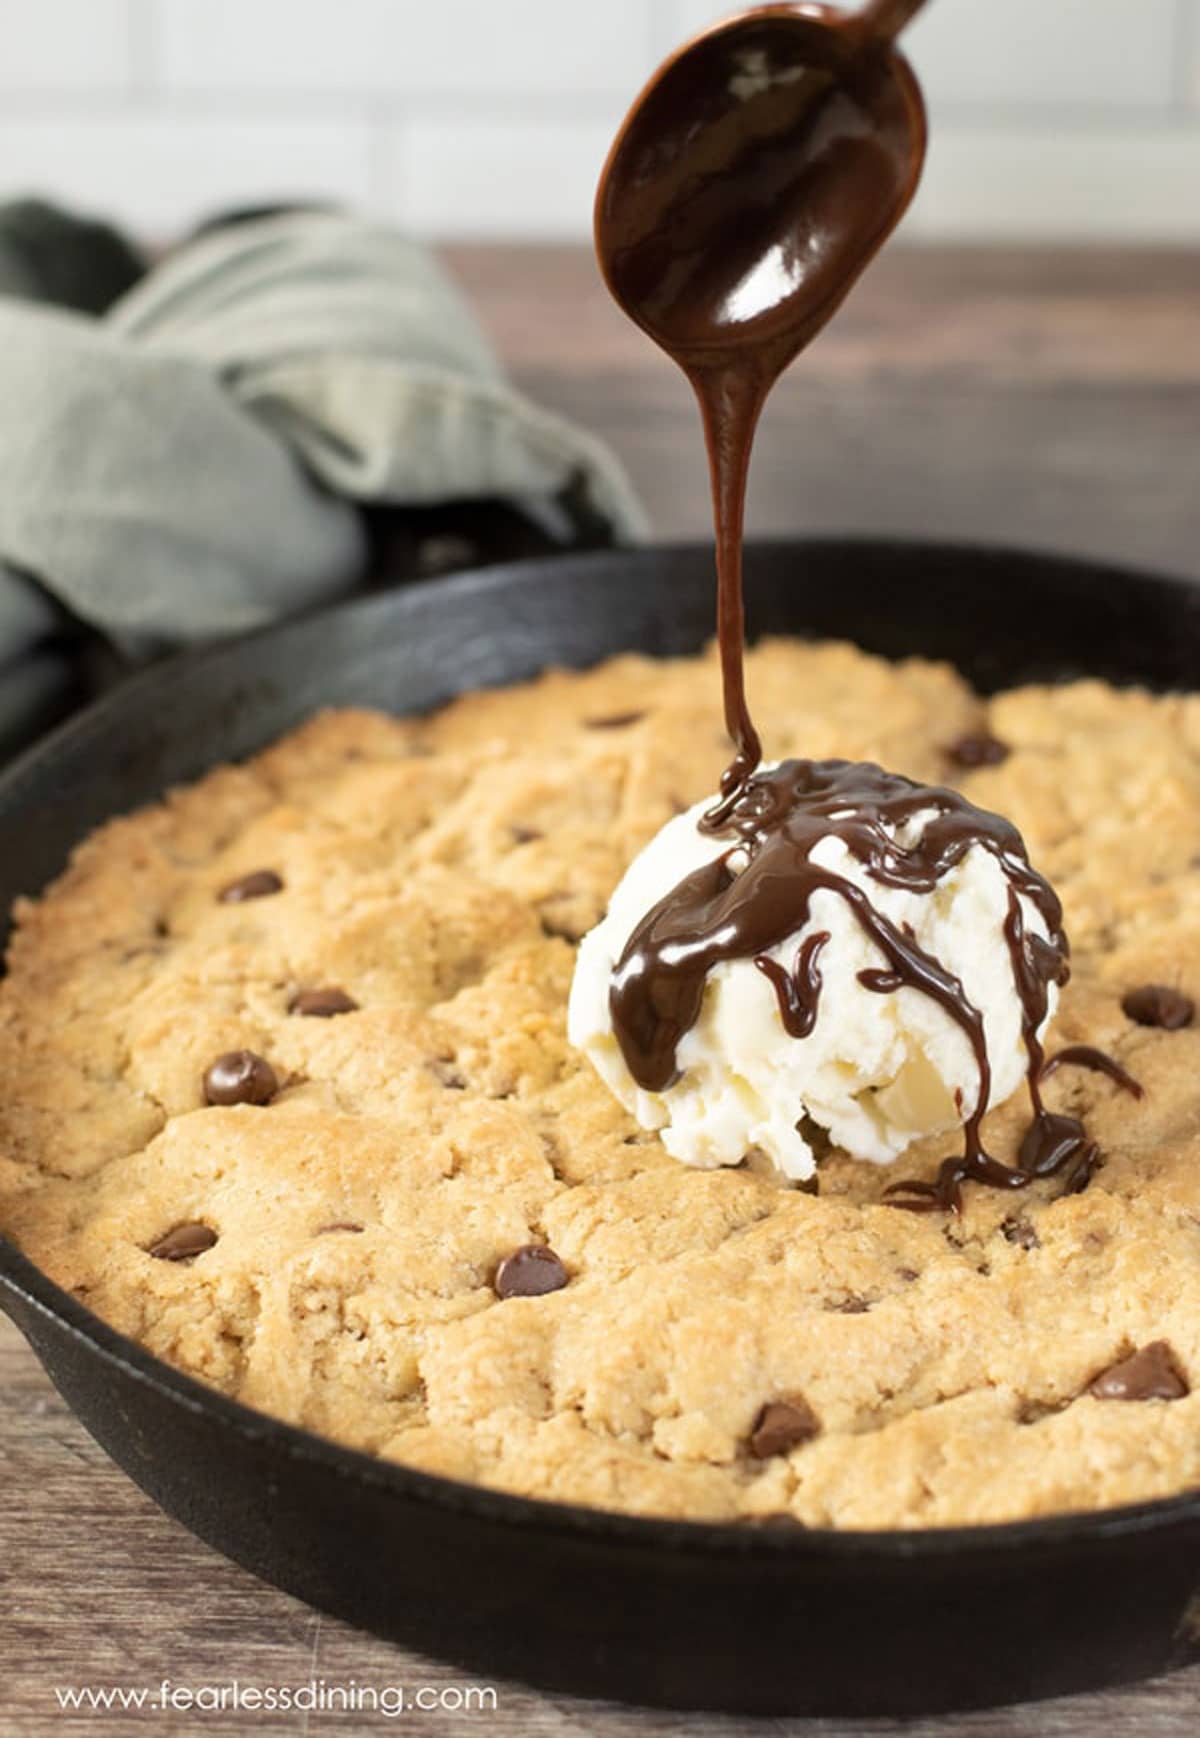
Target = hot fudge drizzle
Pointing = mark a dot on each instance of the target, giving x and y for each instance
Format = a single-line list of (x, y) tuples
[(750, 899), (752, 182)]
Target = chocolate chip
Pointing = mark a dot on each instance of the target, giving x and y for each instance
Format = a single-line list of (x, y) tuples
[(1018, 1230), (240, 1077), (1159, 1005), (183, 1242), (531, 1271), (1149, 1374), (614, 721), (851, 1305), (257, 885), (978, 749), (336, 1225), (783, 1425), (322, 1004), (1033, 1411), (525, 835)]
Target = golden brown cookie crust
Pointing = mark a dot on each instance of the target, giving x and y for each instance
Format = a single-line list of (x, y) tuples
[(437, 872)]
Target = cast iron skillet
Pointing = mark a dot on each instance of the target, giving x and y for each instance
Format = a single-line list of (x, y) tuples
[(696, 1616)]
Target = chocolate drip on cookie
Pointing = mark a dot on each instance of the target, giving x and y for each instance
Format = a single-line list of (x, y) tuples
[(1099, 1061)]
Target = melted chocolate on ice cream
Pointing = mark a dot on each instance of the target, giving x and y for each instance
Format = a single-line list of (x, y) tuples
[(751, 898), (755, 177)]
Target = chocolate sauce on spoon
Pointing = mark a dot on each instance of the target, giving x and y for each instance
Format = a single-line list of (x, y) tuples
[(753, 180)]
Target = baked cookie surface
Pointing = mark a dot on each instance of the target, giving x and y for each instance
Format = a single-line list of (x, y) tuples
[(384, 913)]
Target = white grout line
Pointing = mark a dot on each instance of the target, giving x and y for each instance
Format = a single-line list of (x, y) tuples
[(50, 103), (1186, 58), (142, 28)]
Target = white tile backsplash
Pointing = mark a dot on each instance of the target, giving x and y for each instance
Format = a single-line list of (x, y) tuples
[(1111, 54), (1017, 53), (1084, 184), (160, 172), (399, 46), (535, 178), (1187, 57), (64, 45), (1054, 118)]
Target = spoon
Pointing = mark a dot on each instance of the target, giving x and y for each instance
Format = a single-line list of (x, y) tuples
[(757, 173), (754, 178)]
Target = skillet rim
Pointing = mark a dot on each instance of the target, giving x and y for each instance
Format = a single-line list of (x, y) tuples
[(30, 1287)]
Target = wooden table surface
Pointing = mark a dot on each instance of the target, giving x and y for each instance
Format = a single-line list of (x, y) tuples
[(1045, 397)]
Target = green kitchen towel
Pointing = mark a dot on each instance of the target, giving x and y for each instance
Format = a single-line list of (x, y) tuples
[(189, 464)]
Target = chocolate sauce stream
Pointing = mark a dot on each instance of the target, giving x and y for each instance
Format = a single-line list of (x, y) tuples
[(730, 403), (753, 180)]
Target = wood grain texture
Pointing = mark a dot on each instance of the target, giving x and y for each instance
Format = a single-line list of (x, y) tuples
[(1042, 397)]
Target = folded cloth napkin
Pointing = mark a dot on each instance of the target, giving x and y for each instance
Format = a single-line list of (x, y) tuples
[(189, 464)]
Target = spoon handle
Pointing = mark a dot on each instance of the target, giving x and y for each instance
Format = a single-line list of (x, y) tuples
[(883, 20)]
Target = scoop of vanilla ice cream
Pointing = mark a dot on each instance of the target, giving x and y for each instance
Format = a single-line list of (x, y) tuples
[(877, 1071)]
